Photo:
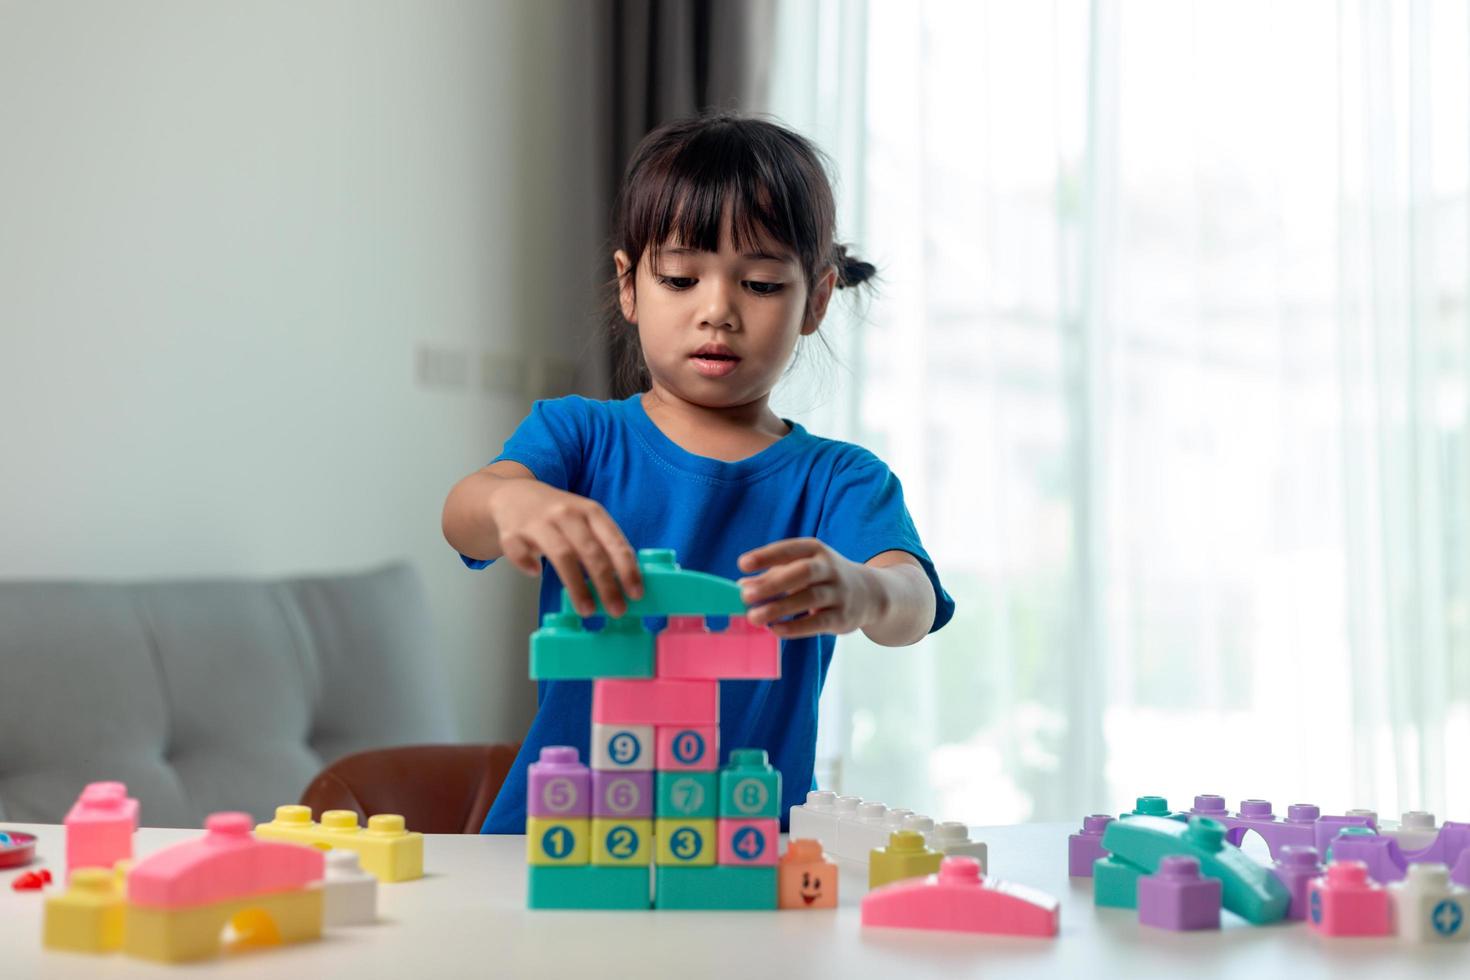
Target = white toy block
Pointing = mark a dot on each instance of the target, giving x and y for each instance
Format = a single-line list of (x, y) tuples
[(349, 894), (1427, 908), (623, 748), (952, 838), (846, 813), (1417, 830), (816, 819), (920, 824), (1370, 814), (857, 837), (893, 822)]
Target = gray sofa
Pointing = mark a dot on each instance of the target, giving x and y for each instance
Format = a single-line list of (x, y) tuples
[(208, 695)]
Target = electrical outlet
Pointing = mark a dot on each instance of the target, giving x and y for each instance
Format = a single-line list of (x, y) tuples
[(441, 367)]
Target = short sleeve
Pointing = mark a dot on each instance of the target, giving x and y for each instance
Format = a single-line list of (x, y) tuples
[(549, 442), (864, 514)]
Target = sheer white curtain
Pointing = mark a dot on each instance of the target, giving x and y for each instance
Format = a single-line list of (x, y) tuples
[(1171, 355)]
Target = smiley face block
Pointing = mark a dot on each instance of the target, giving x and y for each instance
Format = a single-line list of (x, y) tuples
[(805, 878)]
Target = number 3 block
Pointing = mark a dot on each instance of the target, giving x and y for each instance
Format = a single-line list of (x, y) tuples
[(686, 843), (621, 842), (748, 842), (557, 842)]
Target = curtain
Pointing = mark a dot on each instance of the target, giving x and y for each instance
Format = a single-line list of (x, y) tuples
[(1171, 357)]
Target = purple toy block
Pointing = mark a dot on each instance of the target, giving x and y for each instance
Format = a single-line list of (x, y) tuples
[(1296, 867), (1304, 824), (1177, 897), (622, 794), (559, 785), (1461, 874), (1388, 862), (1086, 847)]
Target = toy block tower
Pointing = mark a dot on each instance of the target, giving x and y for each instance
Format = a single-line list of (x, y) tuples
[(653, 797)]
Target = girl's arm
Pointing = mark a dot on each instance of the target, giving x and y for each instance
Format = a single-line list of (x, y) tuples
[(889, 597)]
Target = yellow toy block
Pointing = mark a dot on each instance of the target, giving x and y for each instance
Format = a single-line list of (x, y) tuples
[(195, 932), (88, 916), (904, 857), (551, 840), (686, 843), (622, 842), (388, 851)]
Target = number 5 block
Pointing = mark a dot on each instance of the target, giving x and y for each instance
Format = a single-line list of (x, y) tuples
[(556, 841), (687, 843), (748, 842), (558, 785)]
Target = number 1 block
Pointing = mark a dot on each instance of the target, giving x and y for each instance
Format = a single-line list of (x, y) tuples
[(557, 842)]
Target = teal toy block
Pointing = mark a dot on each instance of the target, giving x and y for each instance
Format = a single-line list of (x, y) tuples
[(1115, 883), (563, 650), (689, 795), (1153, 806), (669, 590), (588, 887), (1250, 890), (750, 789), (1349, 832), (722, 887)]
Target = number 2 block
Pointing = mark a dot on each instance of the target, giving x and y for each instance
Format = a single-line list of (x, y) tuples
[(694, 748), (622, 842), (624, 747), (748, 842), (685, 843), (556, 842)]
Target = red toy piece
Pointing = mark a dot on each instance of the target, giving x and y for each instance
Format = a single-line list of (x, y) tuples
[(958, 899), (32, 881)]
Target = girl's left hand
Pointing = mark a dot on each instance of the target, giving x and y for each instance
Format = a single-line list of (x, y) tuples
[(803, 575)]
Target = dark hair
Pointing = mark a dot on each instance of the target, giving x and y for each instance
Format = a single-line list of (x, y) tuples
[(677, 184)]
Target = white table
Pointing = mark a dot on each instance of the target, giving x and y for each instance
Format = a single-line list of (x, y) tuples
[(467, 917)]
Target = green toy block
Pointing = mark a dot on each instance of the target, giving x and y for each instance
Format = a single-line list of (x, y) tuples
[(1115, 883), (563, 650), (587, 887), (669, 590), (1250, 890), (722, 887), (687, 794), (750, 789), (1153, 806)]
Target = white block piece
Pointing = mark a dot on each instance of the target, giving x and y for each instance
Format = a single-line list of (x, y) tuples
[(859, 836), (952, 838), (1427, 908), (893, 822), (1372, 815), (349, 894), (1415, 831), (816, 819), (622, 748), (846, 807), (920, 824)]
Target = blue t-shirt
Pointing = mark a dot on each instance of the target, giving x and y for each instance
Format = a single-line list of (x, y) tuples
[(710, 512)]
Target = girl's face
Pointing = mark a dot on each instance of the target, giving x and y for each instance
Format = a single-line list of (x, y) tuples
[(718, 328)]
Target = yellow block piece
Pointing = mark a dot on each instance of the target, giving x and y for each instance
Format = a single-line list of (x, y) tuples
[(196, 932), (550, 840), (88, 916), (387, 850), (904, 857), (622, 842), (687, 843)]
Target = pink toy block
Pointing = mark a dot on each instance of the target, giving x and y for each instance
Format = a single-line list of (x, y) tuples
[(655, 702), (748, 842), (227, 862), (690, 748), (958, 899), (1388, 862), (1085, 846), (1345, 902), (99, 827), (1304, 823), (686, 649)]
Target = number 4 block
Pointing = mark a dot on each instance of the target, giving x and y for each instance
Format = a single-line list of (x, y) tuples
[(750, 843)]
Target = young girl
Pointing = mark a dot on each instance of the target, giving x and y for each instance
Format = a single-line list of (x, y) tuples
[(725, 256)]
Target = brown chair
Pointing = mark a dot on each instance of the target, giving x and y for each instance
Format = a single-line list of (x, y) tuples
[(439, 789)]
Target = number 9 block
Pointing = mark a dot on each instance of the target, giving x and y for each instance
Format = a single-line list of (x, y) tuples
[(622, 747)]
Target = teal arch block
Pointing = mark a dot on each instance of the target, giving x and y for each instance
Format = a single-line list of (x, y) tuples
[(1115, 883), (1250, 890), (722, 887), (588, 887), (687, 794), (750, 788), (669, 590), (563, 650)]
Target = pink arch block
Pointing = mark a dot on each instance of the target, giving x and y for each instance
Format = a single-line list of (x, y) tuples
[(227, 862), (958, 899)]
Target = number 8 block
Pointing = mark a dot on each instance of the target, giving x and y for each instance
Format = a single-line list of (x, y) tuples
[(558, 785), (749, 788), (748, 842)]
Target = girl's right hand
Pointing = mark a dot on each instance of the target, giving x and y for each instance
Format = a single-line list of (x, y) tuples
[(576, 535)]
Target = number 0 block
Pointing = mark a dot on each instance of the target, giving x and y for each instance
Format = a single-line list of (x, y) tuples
[(685, 843), (622, 842), (556, 842), (688, 748)]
